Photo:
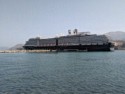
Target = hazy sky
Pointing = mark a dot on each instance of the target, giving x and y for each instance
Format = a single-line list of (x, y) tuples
[(23, 19)]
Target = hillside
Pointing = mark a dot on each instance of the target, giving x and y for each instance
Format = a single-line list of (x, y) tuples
[(17, 47), (118, 38), (117, 35)]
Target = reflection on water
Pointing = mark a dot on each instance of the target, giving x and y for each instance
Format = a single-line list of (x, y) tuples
[(63, 73)]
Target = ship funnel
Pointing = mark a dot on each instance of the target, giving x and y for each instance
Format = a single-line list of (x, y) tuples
[(75, 31), (69, 32)]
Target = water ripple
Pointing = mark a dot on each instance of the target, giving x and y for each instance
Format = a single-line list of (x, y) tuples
[(63, 73)]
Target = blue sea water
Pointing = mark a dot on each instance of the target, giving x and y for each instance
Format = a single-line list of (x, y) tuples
[(63, 73)]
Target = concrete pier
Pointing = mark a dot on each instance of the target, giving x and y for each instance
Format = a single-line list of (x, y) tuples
[(26, 51)]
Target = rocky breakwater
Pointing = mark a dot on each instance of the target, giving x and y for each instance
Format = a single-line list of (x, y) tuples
[(25, 51)]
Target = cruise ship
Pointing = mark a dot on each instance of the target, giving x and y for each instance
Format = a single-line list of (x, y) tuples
[(74, 41)]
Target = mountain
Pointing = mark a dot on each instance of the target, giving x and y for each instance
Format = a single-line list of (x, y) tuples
[(117, 35), (118, 38), (17, 47)]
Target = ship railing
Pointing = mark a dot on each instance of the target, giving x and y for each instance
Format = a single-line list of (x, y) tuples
[(91, 43), (47, 45), (64, 44), (75, 44), (94, 43), (88, 43), (83, 44), (100, 43), (67, 44), (60, 44), (52, 44), (30, 45)]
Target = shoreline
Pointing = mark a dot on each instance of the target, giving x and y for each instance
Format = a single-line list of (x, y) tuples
[(34, 51), (25, 51)]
